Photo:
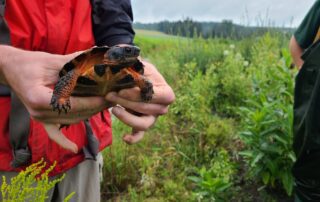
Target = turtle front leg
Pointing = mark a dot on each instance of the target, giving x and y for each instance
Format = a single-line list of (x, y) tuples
[(146, 88), (62, 91), (130, 78)]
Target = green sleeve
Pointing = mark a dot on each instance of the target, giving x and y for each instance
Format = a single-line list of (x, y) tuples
[(308, 28)]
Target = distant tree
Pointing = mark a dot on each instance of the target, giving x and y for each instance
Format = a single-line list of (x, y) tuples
[(186, 27), (224, 29)]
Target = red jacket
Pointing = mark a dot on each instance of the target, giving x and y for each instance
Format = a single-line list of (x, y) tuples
[(60, 27)]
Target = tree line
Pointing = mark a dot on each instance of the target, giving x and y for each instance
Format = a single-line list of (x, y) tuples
[(225, 29)]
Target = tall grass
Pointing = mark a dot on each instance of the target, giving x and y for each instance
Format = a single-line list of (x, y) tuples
[(193, 153)]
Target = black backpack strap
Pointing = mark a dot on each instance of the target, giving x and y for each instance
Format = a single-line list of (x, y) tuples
[(19, 120), (19, 124), (92, 149), (2, 6), (4, 31), (4, 39)]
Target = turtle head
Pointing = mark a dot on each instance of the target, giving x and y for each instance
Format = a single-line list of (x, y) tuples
[(122, 54)]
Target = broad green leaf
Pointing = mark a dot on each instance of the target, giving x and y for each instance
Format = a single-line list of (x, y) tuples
[(256, 159)]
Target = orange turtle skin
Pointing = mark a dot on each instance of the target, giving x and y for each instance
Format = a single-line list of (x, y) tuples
[(99, 71)]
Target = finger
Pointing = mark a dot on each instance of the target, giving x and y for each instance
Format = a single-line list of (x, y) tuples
[(62, 118), (134, 137), (163, 94), (57, 136), (137, 122), (81, 107), (133, 94), (67, 119), (87, 104), (40, 98), (141, 107)]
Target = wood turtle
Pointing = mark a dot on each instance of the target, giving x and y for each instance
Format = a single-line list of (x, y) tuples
[(99, 71)]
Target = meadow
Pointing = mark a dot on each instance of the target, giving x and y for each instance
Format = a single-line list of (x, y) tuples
[(227, 136)]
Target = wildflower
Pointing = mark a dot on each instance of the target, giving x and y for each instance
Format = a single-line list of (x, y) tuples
[(245, 63), (146, 180), (238, 56), (226, 52), (232, 46)]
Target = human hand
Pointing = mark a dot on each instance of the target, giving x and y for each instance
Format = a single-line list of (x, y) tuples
[(31, 75), (137, 114)]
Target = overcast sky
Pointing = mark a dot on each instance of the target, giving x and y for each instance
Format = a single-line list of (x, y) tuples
[(246, 12)]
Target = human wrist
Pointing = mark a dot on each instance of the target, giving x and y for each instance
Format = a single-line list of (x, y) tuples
[(4, 53), (11, 59)]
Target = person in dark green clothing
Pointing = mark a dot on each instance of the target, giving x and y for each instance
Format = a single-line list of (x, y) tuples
[(305, 51), (306, 34)]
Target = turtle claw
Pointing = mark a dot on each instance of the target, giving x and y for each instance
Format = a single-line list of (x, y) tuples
[(60, 104), (147, 91), (66, 106)]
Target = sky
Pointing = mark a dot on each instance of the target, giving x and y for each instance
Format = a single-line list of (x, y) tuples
[(281, 13)]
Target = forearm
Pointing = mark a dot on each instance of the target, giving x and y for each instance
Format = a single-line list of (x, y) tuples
[(11, 60), (296, 52), (6, 53)]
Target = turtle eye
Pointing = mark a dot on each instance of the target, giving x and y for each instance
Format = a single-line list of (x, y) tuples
[(128, 50)]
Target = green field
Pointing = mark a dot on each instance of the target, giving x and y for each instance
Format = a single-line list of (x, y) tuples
[(228, 135), (150, 33)]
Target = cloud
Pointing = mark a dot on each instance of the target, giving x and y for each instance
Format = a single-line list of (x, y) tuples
[(249, 12)]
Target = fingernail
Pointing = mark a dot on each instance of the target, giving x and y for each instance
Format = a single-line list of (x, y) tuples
[(116, 110), (127, 139)]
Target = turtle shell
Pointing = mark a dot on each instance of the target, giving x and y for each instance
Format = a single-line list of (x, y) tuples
[(98, 71)]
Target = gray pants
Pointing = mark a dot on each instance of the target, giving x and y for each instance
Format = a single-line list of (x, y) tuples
[(84, 180)]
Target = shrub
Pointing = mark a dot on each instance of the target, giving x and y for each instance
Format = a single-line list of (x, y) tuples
[(32, 184), (267, 119), (212, 183), (192, 152)]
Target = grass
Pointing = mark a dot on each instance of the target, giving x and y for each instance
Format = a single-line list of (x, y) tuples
[(152, 34), (194, 152)]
